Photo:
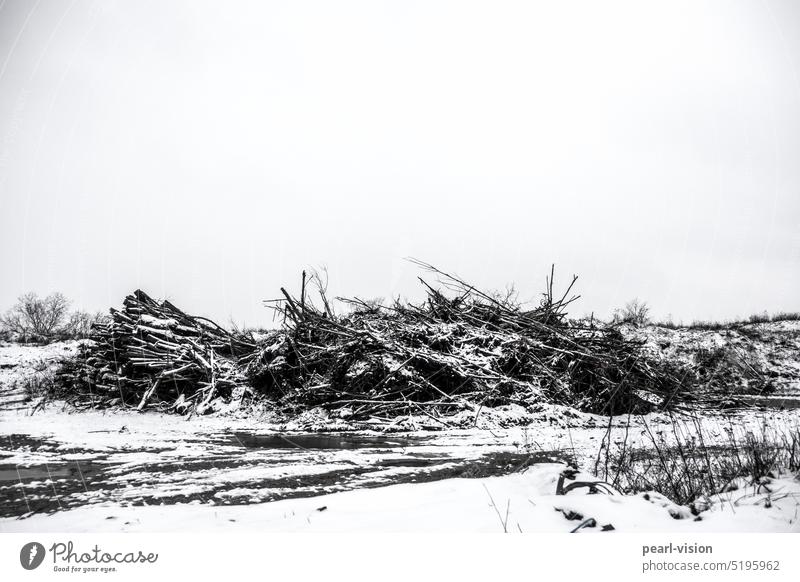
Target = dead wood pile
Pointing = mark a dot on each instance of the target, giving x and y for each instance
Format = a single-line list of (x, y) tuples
[(154, 353), (460, 349)]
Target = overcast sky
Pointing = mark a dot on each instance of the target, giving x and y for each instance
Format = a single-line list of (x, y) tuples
[(209, 151)]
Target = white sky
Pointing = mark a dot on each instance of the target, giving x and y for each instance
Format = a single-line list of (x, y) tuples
[(209, 151)]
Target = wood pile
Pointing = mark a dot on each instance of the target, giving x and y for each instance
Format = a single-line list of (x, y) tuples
[(461, 349), (152, 353)]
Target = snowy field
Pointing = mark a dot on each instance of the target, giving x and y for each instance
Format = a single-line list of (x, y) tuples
[(62, 470)]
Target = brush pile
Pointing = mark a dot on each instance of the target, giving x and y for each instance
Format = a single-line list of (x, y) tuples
[(154, 353), (461, 349)]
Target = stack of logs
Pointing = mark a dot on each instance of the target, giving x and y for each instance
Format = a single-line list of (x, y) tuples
[(152, 353)]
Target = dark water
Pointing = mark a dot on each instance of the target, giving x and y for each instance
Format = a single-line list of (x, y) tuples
[(79, 469), (322, 441)]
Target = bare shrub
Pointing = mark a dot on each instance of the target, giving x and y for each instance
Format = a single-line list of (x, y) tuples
[(759, 318), (635, 311), (80, 324), (40, 384), (35, 317), (725, 366)]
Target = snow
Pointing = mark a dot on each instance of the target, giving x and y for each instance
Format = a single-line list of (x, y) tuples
[(22, 363), (772, 348), (523, 502)]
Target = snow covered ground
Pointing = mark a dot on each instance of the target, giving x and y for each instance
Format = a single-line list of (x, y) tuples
[(521, 502), (24, 366)]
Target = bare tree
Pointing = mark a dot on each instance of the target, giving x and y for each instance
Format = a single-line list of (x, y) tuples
[(79, 324), (635, 311), (36, 316)]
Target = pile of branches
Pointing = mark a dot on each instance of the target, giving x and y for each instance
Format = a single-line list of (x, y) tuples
[(152, 353), (460, 349)]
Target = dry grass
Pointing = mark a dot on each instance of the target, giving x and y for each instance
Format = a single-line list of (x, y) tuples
[(40, 384), (681, 464)]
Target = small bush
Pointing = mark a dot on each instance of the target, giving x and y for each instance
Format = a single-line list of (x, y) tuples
[(759, 318), (80, 324), (725, 367), (39, 319), (38, 385), (635, 311), (36, 318)]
